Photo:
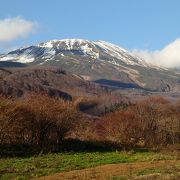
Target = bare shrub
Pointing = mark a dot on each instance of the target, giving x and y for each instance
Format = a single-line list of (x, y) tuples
[(150, 122), (15, 122), (121, 127), (54, 118), (37, 120)]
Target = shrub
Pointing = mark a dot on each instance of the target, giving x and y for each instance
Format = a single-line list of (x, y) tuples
[(121, 127), (37, 120), (153, 121)]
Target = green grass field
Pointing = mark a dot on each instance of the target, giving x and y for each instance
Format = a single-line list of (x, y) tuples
[(35, 166)]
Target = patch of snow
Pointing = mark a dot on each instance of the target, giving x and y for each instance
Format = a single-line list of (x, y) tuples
[(85, 77), (88, 48), (79, 44), (120, 53), (89, 51), (48, 44), (22, 58), (48, 53), (113, 62), (47, 60)]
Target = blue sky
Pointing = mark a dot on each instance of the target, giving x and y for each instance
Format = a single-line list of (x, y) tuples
[(133, 24)]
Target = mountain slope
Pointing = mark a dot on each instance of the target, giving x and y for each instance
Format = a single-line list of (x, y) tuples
[(77, 47), (97, 61), (16, 82)]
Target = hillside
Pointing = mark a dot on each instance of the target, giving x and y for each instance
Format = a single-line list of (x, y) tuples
[(18, 81)]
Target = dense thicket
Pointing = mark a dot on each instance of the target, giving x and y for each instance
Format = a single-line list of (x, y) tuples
[(43, 122), (37, 120), (153, 121)]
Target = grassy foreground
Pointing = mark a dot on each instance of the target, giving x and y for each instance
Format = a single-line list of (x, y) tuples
[(166, 172), (41, 165)]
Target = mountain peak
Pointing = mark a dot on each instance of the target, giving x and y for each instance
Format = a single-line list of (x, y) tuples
[(96, 60), (100, 49)]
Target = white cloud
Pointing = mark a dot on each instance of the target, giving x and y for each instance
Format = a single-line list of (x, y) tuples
[(14, 28), (169, 56)]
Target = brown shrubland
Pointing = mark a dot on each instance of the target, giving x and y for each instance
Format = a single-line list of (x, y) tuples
[(37, 120), (44, 122), (151, 122)]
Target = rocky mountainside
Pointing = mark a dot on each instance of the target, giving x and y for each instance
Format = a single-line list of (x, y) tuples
[(16, 82), (98, 61), (89, 97)]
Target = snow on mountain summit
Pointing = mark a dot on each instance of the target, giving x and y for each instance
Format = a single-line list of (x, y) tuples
[(98, 61), (78, 47)]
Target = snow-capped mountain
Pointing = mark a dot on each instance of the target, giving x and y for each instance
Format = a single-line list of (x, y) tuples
[(93, 49), (98, 61)]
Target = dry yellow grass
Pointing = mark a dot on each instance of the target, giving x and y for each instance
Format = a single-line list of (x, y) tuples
[(109, 171)]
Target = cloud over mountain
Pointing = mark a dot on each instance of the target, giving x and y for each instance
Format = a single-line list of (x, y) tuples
[(14, 28), (169, 56)]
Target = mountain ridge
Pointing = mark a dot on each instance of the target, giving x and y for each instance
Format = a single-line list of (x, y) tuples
[(96, 60), (71, 44)]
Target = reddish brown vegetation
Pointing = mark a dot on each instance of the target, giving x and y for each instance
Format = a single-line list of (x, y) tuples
[(37, 120), (150, 122), (43, 122)]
